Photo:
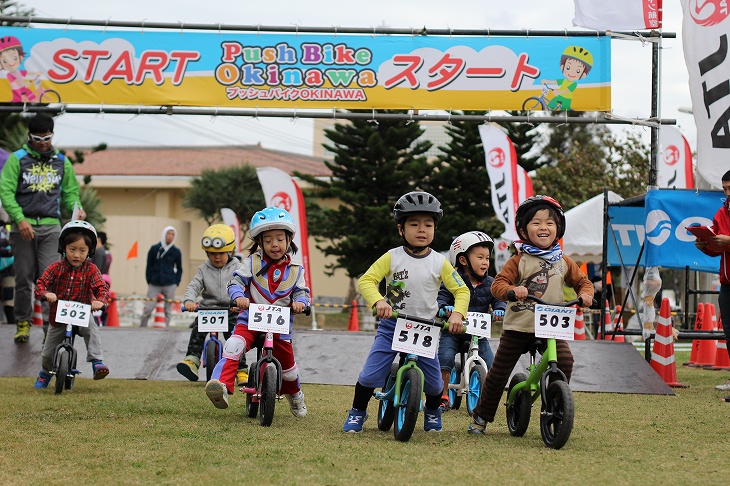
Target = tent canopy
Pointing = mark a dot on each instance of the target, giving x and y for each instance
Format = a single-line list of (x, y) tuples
[(584, 226)]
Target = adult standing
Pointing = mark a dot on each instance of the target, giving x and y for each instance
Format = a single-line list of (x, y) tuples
[(164, 271), (721, 228), (35, 181), (103, 260)]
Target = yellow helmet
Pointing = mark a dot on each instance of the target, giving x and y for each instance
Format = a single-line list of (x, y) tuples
[(218, 238), (580, 53)]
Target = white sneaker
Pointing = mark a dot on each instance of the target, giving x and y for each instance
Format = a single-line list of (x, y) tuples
[(296, 403), (217, 393), (724, 387)]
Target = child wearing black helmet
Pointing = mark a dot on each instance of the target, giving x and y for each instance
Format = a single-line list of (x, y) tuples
[(413, 273), (539, 268), (76, 279)]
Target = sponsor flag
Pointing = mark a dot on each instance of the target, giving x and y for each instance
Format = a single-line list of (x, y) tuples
[(510, 183), (675, 162), (281, 191), (229, 218), (705, 29), (132, 253), (618, 14)]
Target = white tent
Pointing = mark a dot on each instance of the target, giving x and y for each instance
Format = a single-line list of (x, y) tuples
[(584, 226)]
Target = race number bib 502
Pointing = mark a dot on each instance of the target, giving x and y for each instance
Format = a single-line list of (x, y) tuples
[(268, 318), (555, 322), (213, 320), (74, 313), (478, 324), (414, 338)]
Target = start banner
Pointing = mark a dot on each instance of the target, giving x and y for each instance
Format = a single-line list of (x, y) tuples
[(186, 68)]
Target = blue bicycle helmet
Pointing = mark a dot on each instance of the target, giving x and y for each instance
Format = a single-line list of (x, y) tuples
[(271, 218)]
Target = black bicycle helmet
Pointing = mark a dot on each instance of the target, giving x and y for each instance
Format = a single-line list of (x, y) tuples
[(542, 202), (416, 202), (78, 227)]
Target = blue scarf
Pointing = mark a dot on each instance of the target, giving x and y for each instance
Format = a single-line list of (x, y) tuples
[(553, 255)]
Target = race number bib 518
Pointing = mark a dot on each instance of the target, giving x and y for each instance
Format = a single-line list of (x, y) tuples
[(414, 338), (74, 313), (553, 321), (268, 318)]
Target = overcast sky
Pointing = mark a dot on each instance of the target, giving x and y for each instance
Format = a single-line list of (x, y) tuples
[(631, 62)]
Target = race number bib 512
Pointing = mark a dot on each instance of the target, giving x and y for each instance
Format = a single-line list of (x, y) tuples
[(414, 338), (268, 318), (213, 320), (74, 313), (555, 322), (478, 324)]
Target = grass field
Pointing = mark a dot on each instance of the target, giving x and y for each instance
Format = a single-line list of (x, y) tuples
[(163, 432)]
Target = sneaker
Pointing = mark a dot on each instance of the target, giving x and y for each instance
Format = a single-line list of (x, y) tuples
[(217, 393), (188, 368), (432, 420), (296, 403), (100, 370), (478, 426), (355, 420), (724, 387), (42, 380), (242, 376), (23, 332), (445, 404)]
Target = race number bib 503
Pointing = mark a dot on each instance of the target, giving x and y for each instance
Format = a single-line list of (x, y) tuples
[(268, 318), (555, 322), (74, 313), (213, 320), (478, 324), (414, 338)]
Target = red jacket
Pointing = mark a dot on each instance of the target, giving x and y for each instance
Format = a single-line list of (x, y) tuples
[(721, 226)]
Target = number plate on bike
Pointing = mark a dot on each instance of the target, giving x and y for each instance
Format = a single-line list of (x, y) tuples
[(74, 313), (478, 324), (213, 320), (414, 338), (553, 321), (268, 318)]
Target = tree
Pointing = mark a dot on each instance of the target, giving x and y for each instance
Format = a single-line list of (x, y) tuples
[(237, 188), (374, 164)]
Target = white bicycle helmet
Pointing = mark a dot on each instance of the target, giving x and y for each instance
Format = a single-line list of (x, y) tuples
[(463, 243), (78, 227)]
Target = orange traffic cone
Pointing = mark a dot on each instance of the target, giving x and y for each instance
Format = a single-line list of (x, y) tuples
[(662, 356), (160, 313), (708, 347), (619, 338), (699, 322), (112, 313), (579, 334), (354, 324), (607, 327), (37, 313), (722, 359)]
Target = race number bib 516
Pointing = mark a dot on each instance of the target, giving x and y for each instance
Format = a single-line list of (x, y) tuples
[(268, 318), (74, 313), (414, 338), (213, 320), (555, 322)]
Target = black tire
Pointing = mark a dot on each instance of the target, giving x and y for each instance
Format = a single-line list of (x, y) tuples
[(386, 409), (50, 96), (556, 419), (211, 359), (409, 406), (533, 103), (71, 379), (476, 382), (455, 379), (268, 395), (252, 408), (61, 370), (518, 415)]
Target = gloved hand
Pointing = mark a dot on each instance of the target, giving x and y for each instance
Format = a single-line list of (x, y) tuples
[(445, 311), (499, 313)]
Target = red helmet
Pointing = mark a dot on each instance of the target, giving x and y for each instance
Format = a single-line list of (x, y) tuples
[(10, 42), (536, 201)]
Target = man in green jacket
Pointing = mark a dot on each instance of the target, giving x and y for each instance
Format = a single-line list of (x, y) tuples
[(35, 181)]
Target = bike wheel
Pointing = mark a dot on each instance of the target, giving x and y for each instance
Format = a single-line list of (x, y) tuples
[(252, 408), (556, 418), (386, 409), (211, 359), (61, 370), (518, 415), (533, 103), (455, 379), (268, 395), (71, 378), (476, 381), (50, 96), (409, 406)]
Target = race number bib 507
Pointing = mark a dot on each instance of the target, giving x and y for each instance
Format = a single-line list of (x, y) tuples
[(268, 318), (74, 313), (414, 338), (555, 322), (213, 320)]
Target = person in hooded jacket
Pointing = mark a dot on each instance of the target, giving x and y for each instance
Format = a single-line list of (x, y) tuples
[(163, 273)]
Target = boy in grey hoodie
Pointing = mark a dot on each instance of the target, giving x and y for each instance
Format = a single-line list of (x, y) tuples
[(211, 284)]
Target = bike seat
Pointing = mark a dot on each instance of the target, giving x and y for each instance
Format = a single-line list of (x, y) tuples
[(259, 341), (464, 346)]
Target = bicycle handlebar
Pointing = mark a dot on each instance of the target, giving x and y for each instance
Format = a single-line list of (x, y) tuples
[(511, 297), (232, 305)]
